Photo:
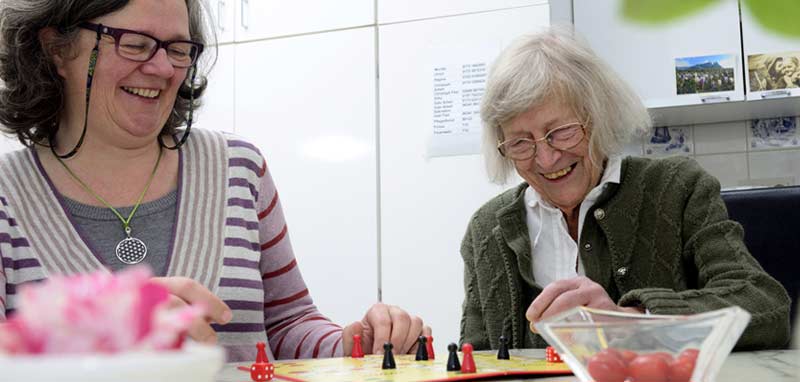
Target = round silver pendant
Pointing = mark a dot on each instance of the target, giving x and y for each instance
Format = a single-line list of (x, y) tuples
[(131, 250)]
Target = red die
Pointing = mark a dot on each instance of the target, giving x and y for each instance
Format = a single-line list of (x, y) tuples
[(261, 372), (550, 355)]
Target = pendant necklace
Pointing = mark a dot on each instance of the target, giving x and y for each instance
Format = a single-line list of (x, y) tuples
[(129, 250)]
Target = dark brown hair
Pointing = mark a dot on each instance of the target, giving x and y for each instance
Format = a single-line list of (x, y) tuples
[(32, 92)]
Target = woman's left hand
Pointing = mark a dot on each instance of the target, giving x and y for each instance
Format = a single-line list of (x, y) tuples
[(385, 323), (569, 293)]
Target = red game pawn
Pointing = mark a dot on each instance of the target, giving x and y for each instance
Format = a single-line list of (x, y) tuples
[(429, 346), (261, 355), (467, 361), (357, 351), (262, 370)]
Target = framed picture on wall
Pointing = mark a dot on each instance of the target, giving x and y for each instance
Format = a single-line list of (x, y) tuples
[(774, 71), (705, 74)]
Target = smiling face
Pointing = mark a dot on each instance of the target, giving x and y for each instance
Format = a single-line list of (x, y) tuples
[(562, 177), (130, 101), (788, 67)]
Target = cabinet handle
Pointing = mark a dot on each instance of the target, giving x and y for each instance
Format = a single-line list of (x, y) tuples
[(221, 15), (245, 14), (715, 99), (776, 94)]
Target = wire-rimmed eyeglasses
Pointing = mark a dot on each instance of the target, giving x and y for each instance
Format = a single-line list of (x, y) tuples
[(141, 47), (563, 137)]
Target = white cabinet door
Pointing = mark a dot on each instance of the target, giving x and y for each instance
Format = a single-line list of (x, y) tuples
[(222, 17), (259, 19), (390, 11), (426, 202), (772, 61), (217, 112), (308, 103), (685, 62)]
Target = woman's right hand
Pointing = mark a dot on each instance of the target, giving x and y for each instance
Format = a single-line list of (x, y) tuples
[(566, 294), (185, 291)]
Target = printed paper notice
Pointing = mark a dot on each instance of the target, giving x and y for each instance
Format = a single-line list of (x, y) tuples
[(457, 92)]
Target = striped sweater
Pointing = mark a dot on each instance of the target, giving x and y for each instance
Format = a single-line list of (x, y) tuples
[(230, 236)]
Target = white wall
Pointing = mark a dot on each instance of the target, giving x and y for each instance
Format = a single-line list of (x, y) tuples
[(426, 202), (308, 102), (366, 211)]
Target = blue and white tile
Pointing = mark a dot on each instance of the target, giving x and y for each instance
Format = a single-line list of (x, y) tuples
[(773, 133), (669, 141)]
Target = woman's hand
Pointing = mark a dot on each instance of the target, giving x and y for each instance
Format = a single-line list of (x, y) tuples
[(565, 294), (385, 323), (185, 291)]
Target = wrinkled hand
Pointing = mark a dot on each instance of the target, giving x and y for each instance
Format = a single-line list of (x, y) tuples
[(385, 323), (565, 294), (185, 291)]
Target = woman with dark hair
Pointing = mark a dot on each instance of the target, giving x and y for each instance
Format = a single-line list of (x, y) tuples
[(102, 94)]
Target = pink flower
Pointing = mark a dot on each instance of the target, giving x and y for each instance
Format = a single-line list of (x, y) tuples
[(95, 313)]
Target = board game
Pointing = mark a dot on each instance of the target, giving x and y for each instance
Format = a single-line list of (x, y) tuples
[(368, 369)]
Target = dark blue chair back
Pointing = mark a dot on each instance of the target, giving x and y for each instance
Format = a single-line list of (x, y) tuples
[(771, 221)]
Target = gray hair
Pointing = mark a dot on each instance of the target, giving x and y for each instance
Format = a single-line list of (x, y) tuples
[(555, 64), (32, 95)]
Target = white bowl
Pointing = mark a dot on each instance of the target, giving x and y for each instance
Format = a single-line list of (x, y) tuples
[(193, 363)]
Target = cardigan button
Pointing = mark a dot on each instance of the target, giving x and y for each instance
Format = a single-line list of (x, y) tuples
[(587, 247), (622, 271), (599, 214)]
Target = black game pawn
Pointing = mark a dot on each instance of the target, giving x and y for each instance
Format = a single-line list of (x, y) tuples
[(422, 349), (502, 352), (388, 357), (452, 360)]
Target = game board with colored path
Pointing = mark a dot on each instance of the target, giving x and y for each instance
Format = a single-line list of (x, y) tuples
[(368, 369)]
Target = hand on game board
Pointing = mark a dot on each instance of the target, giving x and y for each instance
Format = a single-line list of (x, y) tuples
[(565, 294), (186, 291), (385, 323)]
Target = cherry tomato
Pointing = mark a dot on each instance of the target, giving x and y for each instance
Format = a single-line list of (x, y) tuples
[(628, 356), (611, 352), (690, 354), (649, 368), (606, 367), (680, 370), (664, 355)]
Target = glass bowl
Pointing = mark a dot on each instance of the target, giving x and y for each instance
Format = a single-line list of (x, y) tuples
[(607, 346), (193, 363)]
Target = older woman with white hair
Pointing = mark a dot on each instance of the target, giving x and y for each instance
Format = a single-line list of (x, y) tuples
[(588, 227)]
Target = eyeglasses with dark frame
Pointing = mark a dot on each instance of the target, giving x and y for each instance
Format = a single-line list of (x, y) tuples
[(562, 137), (141, 47)]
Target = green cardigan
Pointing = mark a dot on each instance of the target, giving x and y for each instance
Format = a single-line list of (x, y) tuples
[(660, 239)]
